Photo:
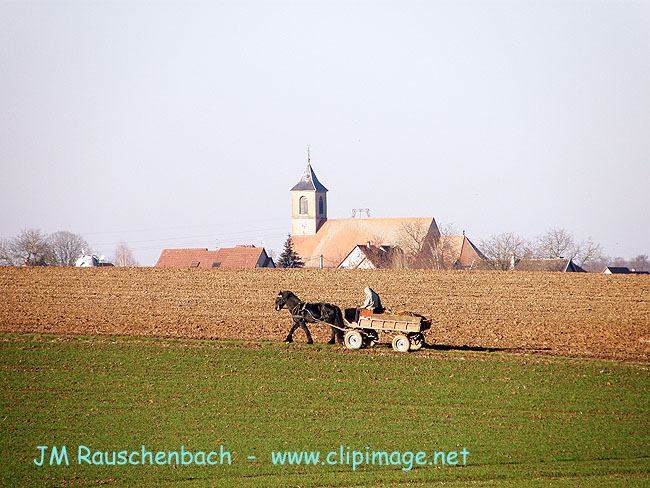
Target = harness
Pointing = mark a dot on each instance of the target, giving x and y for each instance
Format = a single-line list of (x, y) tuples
[(300, 310)]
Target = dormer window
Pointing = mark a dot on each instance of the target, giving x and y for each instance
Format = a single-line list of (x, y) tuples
[(303, 206)]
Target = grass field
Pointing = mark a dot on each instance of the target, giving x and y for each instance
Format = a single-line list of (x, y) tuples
[(525, 420)]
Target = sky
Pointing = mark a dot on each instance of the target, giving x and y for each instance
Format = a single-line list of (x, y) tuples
[(171, 124)]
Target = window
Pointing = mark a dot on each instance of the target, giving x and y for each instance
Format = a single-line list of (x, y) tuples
[(303, 206), (216, 264), (320, 205)]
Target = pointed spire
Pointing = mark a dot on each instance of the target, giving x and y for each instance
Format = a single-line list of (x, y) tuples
[(309, 181), (308, 154)]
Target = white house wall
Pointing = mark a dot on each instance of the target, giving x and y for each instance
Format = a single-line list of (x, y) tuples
[(353, 260), (366, 264)]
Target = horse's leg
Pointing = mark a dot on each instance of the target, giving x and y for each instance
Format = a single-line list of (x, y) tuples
[(291, 331), (338, 330), (333, 335), (304, 327), (339, 335)]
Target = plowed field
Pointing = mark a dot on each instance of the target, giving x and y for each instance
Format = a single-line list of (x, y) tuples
[(581, 315)]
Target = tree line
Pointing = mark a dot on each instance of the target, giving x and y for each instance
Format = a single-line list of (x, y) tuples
[(504, 249), (416, 249), (31, 247)]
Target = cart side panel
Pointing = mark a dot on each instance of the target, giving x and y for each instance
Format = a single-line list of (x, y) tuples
[(391, 323)]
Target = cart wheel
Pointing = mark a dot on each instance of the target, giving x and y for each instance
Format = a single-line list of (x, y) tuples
[(353, 339), (417, 341), (401, 343)]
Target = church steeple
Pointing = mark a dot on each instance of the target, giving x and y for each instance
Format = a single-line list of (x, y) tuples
[(308, 203), (308, 181)]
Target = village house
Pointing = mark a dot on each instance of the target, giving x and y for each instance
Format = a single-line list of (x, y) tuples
[(622, 270), (459, 252), (616, 270), (233, 257), (367, 256), (561, 265), (454, 252)]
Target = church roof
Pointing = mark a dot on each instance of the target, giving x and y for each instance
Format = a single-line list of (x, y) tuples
[(337, 237), (309, 181)]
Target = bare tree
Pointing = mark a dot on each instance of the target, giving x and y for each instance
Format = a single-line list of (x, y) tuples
[(448, 229), (66, 248), (376, 240), (640, 263), (556, 243), (559, 243), (597, 264), (503, 250), (6, 256), (124, 256), (30, 247), (423, 247), (412, 238), (586, 252), (399, 259)]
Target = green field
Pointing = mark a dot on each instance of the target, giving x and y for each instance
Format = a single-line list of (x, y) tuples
[(525, 420)]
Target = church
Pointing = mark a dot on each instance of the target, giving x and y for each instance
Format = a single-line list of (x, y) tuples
[(326, 243)]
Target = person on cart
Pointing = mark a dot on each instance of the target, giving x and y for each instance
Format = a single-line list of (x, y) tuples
[(372, 303)]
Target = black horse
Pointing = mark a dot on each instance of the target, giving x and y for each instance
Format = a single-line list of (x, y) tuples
[(302, 312)]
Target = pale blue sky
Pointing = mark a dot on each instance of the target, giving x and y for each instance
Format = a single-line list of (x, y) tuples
[(185, 124)]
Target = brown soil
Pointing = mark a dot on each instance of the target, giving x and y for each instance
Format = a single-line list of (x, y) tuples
[(579, 315)]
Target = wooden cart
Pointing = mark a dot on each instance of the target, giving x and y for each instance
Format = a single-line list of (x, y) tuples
[(405, 330)]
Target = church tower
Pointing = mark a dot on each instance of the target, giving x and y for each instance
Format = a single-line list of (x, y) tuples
[(308, 203)]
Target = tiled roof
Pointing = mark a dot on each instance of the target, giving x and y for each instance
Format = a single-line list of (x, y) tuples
[(379, 256), (336, 238), (459, 251), (240, 256), (183, 258), (309, 181), (617, 269), (453, 245), (470, 253), (237, 257)]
